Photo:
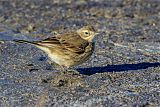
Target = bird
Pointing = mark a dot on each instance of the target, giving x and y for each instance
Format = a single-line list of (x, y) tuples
[(68, 49)]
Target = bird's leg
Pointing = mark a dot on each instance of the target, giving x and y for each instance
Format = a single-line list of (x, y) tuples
[(63, 68), (73, 71), (57, 67)]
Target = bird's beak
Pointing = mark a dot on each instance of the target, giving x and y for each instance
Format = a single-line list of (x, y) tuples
[(96, 33)]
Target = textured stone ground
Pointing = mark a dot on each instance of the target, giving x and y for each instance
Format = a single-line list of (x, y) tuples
[(123, 71)]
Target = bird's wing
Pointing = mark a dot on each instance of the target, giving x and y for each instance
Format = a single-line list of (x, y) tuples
[(68, 41), (50, 42)]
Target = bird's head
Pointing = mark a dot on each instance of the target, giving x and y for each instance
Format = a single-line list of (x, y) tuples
[(87, 33)]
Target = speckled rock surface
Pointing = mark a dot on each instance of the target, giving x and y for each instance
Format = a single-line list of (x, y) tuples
[(123, 71)]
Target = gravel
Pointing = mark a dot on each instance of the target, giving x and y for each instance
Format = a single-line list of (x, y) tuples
[(123, 71)]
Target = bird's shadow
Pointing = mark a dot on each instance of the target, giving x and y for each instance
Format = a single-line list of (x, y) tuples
[(117, 68)]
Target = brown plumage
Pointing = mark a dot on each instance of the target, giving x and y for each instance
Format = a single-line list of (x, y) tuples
[(68, 49)]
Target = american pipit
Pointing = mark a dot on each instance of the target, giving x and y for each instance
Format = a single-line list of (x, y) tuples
[(68, 49)]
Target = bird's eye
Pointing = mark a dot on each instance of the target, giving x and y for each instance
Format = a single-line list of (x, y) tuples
[(86, 33)]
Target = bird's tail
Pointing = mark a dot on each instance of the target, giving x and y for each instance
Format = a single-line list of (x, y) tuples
[(35, 43), (24, 41)]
